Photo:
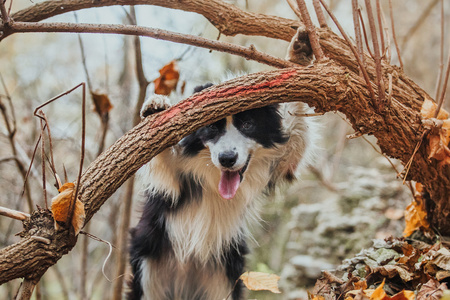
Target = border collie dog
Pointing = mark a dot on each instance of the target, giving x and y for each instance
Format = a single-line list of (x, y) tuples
[(201, 196)]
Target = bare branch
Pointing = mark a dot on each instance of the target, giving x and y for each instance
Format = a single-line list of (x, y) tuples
[(357, 25), (376, 50), (227, 18), (380, 25), (26, 289), (441, 56), (310, 28), (5, 15), (319, 14), (394, 35), (355, 53), (14, 214), (444, 87), (249, 53)]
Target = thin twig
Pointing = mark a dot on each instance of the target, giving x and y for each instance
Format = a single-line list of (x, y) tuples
[(352, 48), (376, 50), (380, 25), (80, 170), (366, 39), (410, 161), (14, 214), (11, 106), (444, 87), (311, 29), (319, 14), (44, 189), (357, 25), (394, 35), (83, 58), (5, 15), (386, 53), (441, 56), (247, 52)]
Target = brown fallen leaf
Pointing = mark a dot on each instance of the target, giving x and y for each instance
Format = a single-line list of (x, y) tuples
[(168, 79), (415, 214), (61, 204), (257, 281), (438, 141), (432, 290), (391, 271), (102, 104)]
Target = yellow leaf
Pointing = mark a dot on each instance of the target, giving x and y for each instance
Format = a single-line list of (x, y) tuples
[(257, 281), (60, 208)]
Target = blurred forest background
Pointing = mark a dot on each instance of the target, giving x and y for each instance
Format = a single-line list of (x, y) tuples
[(349, 197)]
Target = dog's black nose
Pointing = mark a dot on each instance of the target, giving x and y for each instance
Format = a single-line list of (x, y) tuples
[(228, 159)]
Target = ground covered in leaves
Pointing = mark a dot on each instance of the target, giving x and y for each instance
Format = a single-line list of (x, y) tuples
[(393, 268)]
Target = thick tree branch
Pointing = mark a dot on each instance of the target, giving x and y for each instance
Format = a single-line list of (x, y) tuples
[(249, 53), (327, 87), (227, 18)]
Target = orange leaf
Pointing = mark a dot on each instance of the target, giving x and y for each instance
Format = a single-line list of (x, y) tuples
[(257, 281), (102, 105), (379, 293), (168, 79), (415, 214), (428, 109), (61, 205)]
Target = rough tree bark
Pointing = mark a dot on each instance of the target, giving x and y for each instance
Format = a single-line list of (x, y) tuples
[(332, 85)]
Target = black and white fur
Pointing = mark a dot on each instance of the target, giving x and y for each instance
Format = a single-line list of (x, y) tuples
[(191, 240)]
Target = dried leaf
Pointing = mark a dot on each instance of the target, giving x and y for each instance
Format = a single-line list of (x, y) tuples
[(431, 290), (379, 293), (168, 79), (61, 204), (102, 105), (257, 281), (428, 109), (360, 285), (403, 295), (415, 214)]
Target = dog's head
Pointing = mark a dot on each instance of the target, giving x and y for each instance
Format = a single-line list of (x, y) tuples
[(232, 142)]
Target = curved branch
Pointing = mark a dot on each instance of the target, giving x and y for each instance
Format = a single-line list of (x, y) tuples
[(249, 53), (227, 18), (325, 86)]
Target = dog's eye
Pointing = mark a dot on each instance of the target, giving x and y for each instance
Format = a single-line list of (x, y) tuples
[(212, 127), (247, 125)]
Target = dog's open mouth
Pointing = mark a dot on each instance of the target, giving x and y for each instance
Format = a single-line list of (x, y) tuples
[(230, 181)]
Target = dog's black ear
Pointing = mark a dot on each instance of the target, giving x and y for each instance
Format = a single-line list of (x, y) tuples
[(200, 88)]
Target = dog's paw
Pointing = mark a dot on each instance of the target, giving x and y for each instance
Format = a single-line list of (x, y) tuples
[(300, 51), (154, 104)]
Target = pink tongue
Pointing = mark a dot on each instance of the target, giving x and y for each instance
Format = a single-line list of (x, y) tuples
[(229, 183)]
